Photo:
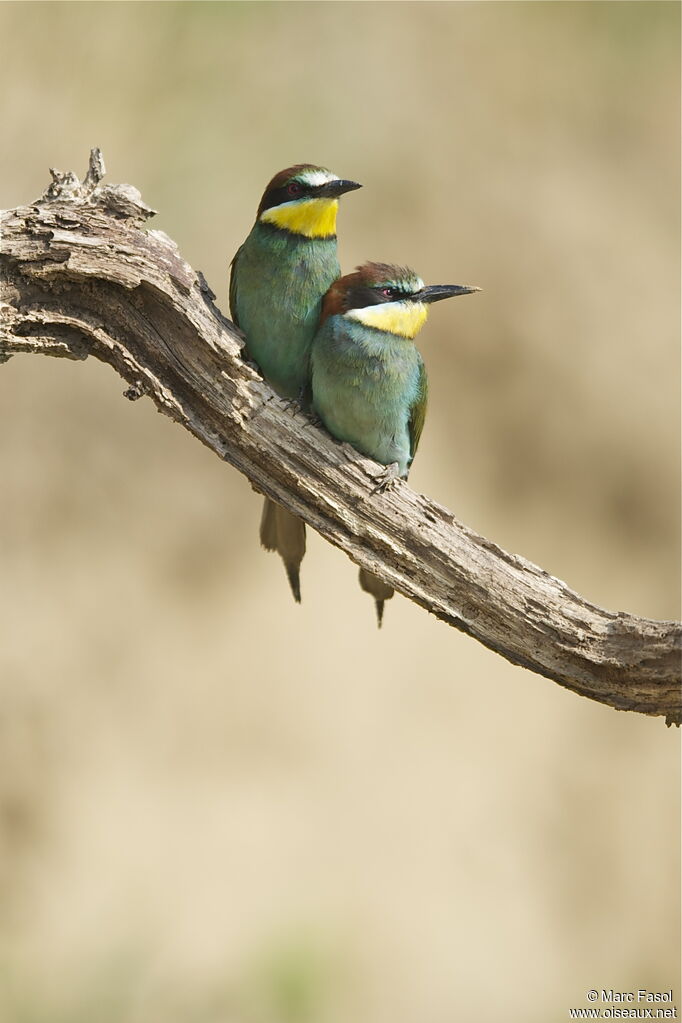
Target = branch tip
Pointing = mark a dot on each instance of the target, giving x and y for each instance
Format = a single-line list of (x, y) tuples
[(96, 170)]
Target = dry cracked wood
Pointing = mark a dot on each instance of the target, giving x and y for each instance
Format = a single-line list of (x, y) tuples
[(80, 276)]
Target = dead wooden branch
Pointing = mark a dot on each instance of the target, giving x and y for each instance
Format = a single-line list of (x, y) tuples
[(80, 276)]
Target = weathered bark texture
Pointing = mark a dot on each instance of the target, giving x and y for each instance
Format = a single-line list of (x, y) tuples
[(81, 277)]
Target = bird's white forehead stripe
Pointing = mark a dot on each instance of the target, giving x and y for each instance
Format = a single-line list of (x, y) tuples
[(316, 177), (407, 284)]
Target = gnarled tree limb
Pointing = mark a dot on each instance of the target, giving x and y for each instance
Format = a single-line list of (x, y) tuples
[(81, 277)]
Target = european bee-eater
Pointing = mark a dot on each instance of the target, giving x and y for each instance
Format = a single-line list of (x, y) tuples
[(279, 277), (369, 383)]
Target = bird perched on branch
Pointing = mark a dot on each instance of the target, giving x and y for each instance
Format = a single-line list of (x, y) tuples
[(369, 384), (279, 277)]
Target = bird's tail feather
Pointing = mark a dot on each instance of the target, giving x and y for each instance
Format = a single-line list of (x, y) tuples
[(285, 533), (378, 589)]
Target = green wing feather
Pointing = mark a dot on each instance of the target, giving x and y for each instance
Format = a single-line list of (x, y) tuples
[(233, 286), (418, 411)]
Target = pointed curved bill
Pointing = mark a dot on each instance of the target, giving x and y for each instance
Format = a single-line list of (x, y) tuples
[(332, 189), (436, 292)]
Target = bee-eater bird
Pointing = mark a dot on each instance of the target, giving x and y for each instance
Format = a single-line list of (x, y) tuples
[(279, 277), (369, 383)]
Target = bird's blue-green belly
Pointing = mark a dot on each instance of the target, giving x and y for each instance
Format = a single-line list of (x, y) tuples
[(364, 397), (280, 285)]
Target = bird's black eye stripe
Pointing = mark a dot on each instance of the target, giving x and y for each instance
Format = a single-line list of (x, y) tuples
[(276, 196), (362, 295), (386, 293)]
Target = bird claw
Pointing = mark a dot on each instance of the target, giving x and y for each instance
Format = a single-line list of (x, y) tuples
[(298, 404), (292, 405), (386, 479)]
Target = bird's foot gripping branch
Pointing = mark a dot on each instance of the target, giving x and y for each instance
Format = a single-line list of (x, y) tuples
[(80, 276)]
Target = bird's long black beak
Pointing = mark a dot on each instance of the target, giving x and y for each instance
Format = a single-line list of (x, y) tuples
[(436, 292), (332, 189)]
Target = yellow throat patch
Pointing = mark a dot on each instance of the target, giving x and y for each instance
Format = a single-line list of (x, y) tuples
[(312, 218), (405, 319)]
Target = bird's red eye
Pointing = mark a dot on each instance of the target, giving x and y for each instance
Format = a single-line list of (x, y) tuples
[(293, 188), (388, 292)]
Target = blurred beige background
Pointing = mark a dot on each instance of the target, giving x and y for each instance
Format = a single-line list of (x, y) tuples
[(218, 807)]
